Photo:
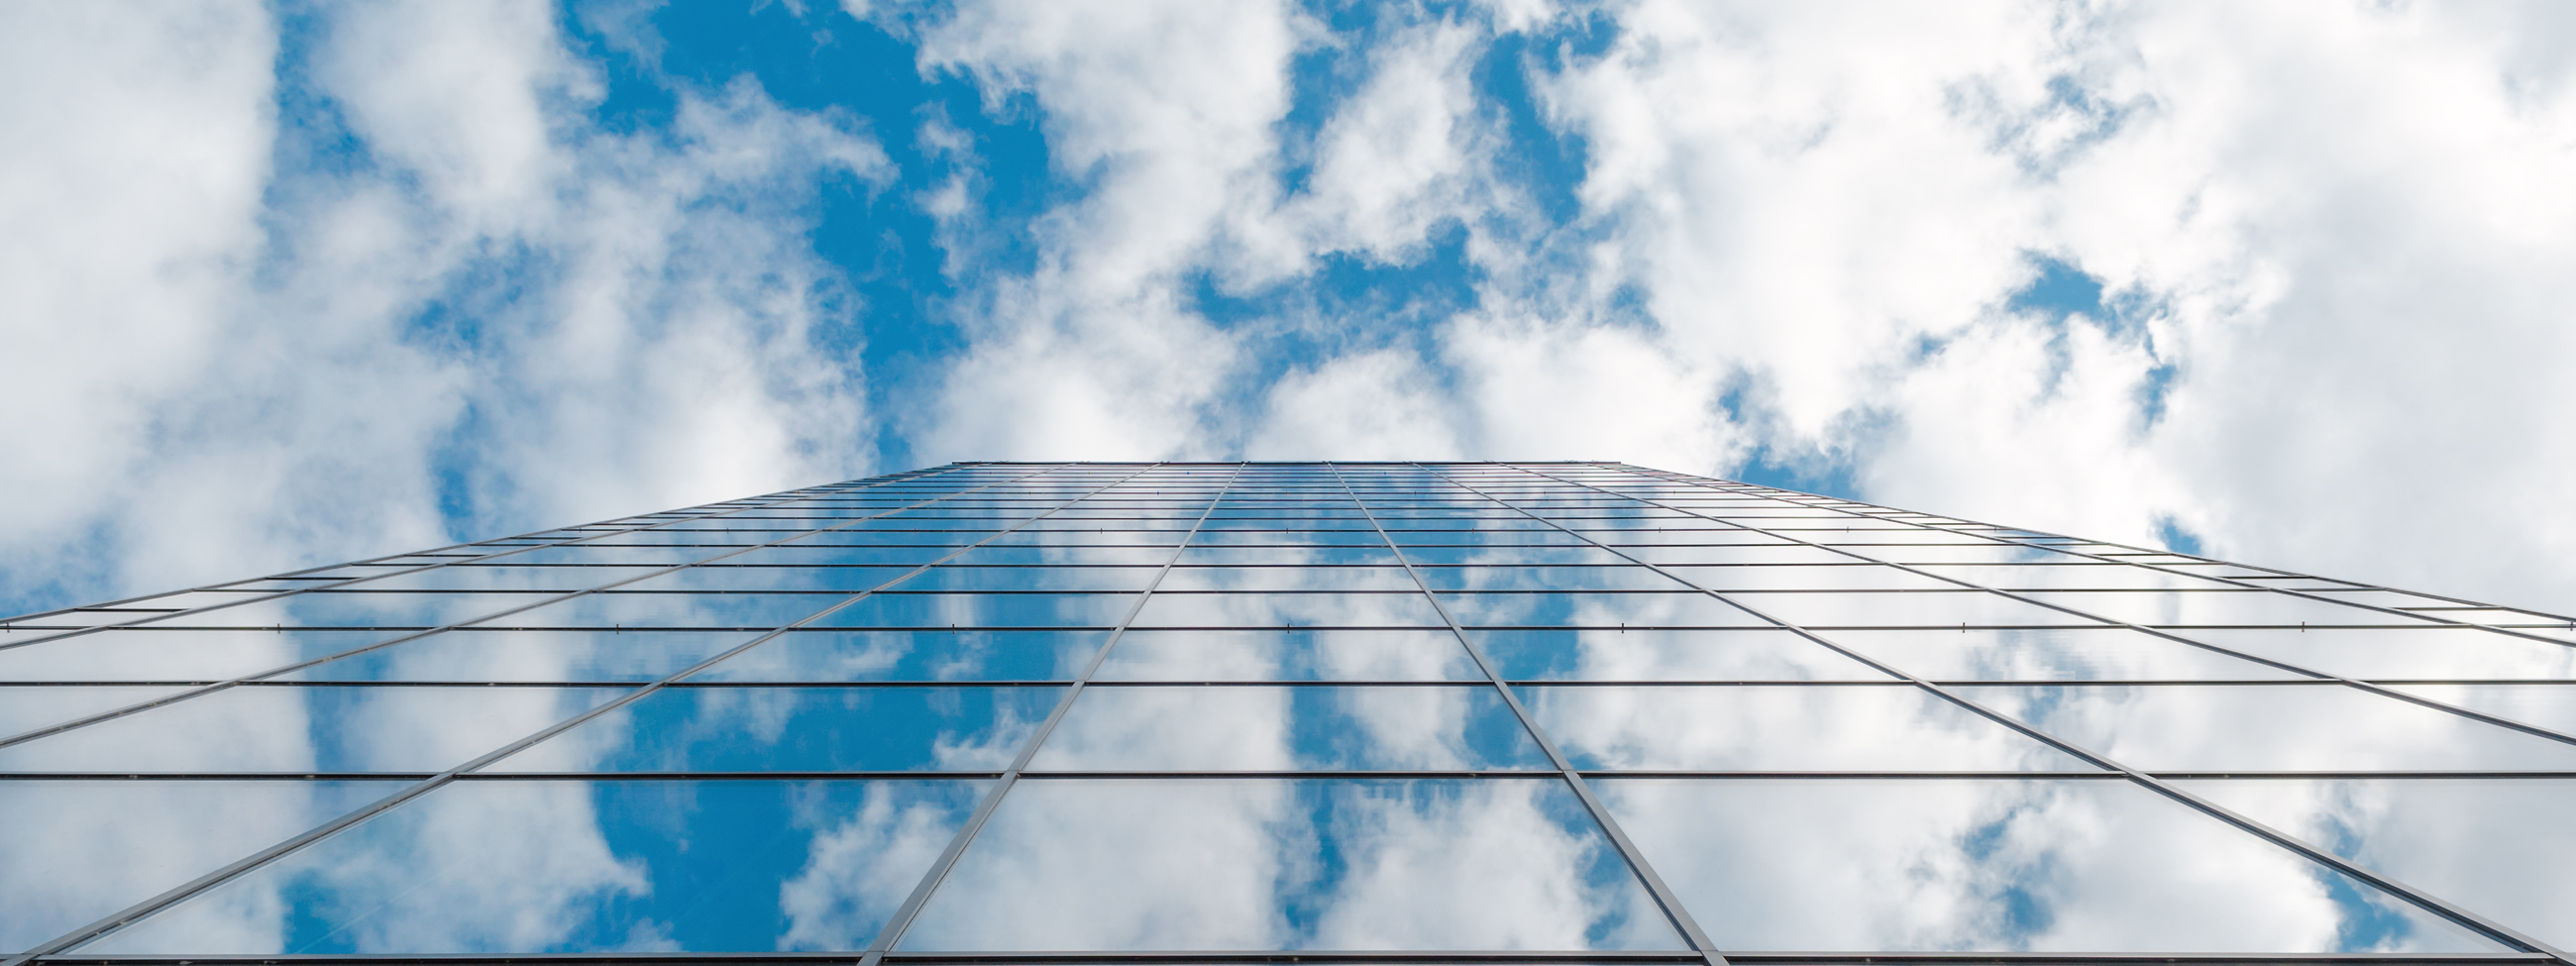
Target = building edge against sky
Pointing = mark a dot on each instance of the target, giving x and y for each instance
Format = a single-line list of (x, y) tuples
[(1573, 710)]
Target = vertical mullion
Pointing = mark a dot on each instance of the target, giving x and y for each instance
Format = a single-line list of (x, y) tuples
[(1663, 894), (219, 876), (2427, 901), (895, 926)]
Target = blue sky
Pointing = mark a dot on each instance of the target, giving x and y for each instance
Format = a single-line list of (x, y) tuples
[(292, 283)]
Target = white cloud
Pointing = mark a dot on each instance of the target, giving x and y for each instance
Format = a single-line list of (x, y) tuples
[(1378, 406), (477, 296), (1163, 112), (2329, 239), (121, 237), (2334, 239)]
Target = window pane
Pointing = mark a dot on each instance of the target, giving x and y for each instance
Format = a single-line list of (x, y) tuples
[(1780, 728), (843, 580), (1289, 610), (799, 729), (174, 655), (2280, 727), (1511, 556), (2048, 654), (940, 655), (1931, 608), (1741, 654), (2551, 706), (585, 866), (2501, 846), (2396, 653), (1639, 609), (1256, 728), (982, 610), (1232, 864), (73, 852), (308, 728), (1288, 578), (2002, 865), (507, 577), (1547, 578), (617, 609), (1842, 576), (1280, 655), (24, 709), (1031, 578), (2216, 607), (473, 654)]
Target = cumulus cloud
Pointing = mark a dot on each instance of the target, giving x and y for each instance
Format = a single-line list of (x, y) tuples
[(1816, 239), (2286, 280), (334, 299)]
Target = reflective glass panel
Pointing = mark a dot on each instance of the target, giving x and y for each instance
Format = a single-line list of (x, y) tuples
[(362, 608), (1736, 553), (2048, 654), (1288, 578), (621, 609), (1551, 578), (308, 728), (1304, 728), (1740, 654), (1841, 576), (982, 610), (24, 709), (2371, 654), (2002, 865), (991, 556), (74, 852), (473, 654), (1288, 610), (501, 576), (1931, 608), (1638, 609), (2278, 727), (1265, 864), (1288, 655), (2551, 706), (592, 554), (174, 655), (1031, 578), (2498, 846), (1779, 728), (1966, 554), (739, 729), (810, 555), (938, 655), (2083, 575), (585, 866), (843, 580), (2216, 607)]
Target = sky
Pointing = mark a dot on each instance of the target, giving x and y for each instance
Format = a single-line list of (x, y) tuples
[(294, 283)]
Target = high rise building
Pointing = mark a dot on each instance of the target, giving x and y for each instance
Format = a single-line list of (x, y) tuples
[(1350, 712)]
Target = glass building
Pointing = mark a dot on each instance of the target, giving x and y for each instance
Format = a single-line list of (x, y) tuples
[(1003, 713)]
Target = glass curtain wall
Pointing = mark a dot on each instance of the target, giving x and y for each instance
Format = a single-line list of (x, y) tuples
[(1353, 712)]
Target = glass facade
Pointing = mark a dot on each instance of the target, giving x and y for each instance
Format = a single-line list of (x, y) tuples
[(1328, 712)]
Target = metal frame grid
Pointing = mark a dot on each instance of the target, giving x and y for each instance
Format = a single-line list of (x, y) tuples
[(1072, 551)]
